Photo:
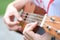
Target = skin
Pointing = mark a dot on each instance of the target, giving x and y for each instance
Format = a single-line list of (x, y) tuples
[(12, 13), (30, 35)]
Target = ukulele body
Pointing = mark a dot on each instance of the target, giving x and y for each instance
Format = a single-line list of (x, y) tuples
[(31, 8)]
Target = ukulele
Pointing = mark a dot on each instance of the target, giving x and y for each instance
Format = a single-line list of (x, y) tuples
[(51, 25), (32, 13)]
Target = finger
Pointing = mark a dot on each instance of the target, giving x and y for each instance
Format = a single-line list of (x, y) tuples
[(15, 27), (9, 22), (31, 34), (27, 36), (18, 17), (32, 26), (26, 27)]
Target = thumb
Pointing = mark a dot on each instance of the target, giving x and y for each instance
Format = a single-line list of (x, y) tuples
[(18, 17)]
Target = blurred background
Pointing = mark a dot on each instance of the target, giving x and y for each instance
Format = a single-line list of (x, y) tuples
[(3, 5), (5, 34)]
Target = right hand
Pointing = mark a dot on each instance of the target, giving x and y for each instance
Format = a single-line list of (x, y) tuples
[(9, 17), (30, 35)]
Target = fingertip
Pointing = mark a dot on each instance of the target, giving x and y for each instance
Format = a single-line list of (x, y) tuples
[(20, 19), (35, 23)]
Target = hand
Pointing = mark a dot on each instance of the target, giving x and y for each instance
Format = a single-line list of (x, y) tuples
[(10, 14), (12, 11), (30, 35)]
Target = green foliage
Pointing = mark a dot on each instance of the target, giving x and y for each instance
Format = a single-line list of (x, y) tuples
[(3, 5)]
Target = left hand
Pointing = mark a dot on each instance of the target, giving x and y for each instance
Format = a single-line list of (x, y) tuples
[(30, 35)]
